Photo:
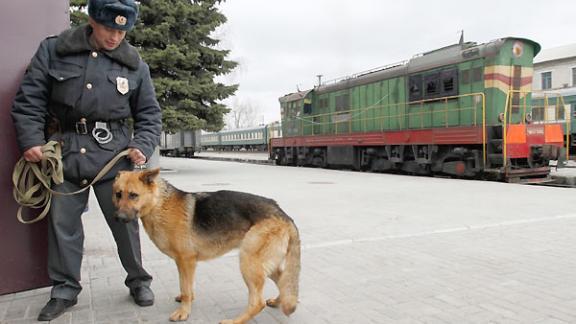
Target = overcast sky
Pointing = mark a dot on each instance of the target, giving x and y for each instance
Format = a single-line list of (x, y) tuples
[(284, 44)]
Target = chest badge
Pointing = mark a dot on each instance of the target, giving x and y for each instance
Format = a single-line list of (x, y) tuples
[(122, 85)]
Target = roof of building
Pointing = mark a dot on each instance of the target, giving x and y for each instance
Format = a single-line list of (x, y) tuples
[(556, 53)]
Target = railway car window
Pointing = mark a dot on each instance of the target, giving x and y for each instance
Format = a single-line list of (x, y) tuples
[(477, 74), (432, 83), (465, 76), (449, 82), (415, 87)]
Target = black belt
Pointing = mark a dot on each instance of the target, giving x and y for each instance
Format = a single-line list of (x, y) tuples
[(84, 127)]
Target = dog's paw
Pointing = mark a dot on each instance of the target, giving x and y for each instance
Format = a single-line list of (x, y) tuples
[(179, 315), (273, 302)]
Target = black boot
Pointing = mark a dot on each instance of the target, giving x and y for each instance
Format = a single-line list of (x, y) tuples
[(55, 307), (143, 296)]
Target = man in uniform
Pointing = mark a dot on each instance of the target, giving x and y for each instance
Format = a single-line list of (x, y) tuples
[(88, 81)]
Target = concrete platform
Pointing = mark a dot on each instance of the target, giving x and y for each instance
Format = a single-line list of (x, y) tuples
[(377, 248)]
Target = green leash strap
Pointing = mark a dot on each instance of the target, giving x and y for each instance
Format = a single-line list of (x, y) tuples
[(33, 181)]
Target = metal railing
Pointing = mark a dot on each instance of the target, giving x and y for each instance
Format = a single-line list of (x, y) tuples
[(523, 97), (396, 116)]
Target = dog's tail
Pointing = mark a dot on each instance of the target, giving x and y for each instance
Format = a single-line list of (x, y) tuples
[(288, 281)]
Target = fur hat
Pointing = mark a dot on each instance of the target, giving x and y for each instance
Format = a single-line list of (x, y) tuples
[(117, 14)]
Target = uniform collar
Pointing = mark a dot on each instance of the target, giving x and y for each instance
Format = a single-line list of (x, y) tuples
[(76, 40)]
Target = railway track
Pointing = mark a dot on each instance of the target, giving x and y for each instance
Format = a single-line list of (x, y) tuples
[(561, 181)]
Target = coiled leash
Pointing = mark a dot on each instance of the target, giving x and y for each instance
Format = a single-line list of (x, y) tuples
[(32, 181)]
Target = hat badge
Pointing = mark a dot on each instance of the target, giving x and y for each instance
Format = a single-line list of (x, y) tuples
[(120, 20)]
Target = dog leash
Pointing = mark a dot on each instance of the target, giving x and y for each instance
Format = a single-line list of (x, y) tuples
[(32, 181)]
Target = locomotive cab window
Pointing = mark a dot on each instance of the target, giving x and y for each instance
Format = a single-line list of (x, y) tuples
[(432, 86), (449, 82), (415, 87), (307, 106)]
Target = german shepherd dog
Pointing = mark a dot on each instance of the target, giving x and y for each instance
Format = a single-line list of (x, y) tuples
[(197, 226)]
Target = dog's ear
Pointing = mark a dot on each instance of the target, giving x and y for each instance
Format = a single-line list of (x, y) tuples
[(148, 176), (118, 175)]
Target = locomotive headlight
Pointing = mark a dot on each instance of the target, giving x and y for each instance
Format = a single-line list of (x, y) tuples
[(518, 49)]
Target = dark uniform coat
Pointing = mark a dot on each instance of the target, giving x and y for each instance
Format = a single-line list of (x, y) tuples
[(68, 82)]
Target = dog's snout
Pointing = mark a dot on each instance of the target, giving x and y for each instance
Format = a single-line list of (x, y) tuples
[(125, 217)]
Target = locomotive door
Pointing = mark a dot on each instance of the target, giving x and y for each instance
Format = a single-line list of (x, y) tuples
[(517, 109), (23, 24)]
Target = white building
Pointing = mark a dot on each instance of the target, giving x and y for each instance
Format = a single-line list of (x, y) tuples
[(555, 68), (555, 74)]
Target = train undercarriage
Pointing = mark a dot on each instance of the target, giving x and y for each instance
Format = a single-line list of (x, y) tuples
[(462, 161)]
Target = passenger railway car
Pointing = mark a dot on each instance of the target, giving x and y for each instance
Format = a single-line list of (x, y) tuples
[(250, 139), (462, 110)]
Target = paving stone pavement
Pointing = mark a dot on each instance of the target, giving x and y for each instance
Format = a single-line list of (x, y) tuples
[(514, 272)]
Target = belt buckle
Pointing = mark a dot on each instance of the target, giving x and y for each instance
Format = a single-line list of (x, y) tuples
[(81, 127)]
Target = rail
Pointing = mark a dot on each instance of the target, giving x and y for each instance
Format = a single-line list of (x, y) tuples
[(522, 97), (559, 112)]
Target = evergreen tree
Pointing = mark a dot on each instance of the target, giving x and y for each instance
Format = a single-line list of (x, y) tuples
[(77, 12), (173, 37)]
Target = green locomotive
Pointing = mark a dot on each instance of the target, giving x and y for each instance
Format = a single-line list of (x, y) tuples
[(462, 110)]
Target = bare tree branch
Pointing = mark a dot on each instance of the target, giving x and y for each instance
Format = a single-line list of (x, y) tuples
[(243, 114)]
